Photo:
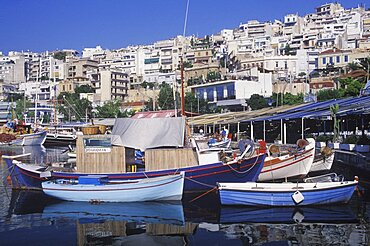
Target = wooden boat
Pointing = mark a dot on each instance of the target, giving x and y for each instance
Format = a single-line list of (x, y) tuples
[(296, 164), (62, 135), (286, 194), (97, 188), (323, 161), (197, 178), (37, 138)]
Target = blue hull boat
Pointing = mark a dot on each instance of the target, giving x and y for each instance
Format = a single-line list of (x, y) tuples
[(197, 178), (286, 194)]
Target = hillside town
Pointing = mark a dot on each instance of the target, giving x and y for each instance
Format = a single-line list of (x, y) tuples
[(296, 55)]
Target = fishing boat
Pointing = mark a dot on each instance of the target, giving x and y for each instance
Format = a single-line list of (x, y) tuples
[(198, 176), (294, 164), (323, 161), (63, 134), (30, 139), (287, 194), (97, 188)]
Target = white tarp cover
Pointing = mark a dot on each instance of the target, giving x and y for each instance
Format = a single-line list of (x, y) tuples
[(149, 133)]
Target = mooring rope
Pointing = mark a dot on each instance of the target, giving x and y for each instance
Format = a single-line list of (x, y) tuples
[(243, 172), (203, 194), (200, 183)]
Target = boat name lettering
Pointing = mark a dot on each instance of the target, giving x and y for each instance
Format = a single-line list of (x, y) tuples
[(97, 150)]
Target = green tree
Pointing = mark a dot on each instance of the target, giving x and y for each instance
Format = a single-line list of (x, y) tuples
[(350, 87), (110, 109), (165, 97), (192, 103), (60, 55), (257, 101), (22, 107), (84, 89), (290, 99), (328, 94), (72, 107), (352, 66)]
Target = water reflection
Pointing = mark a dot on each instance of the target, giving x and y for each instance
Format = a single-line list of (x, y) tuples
[(176, 223), (32, 218), (39, 154)]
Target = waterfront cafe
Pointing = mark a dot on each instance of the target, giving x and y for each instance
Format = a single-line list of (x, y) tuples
[(289, 123)]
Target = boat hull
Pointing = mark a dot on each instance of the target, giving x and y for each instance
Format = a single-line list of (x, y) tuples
[(323, 164), (60, 139), (30, 139), (297, 165), (148, 189), (197, 178), (282, 194)]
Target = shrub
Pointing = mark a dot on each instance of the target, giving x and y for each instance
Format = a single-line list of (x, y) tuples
[(351, 139)]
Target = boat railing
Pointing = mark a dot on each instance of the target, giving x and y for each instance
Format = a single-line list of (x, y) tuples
[(15, 156), (330, 177)]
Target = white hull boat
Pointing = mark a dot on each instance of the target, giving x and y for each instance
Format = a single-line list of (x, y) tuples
[(97, 188), (286, 194), (30, 139), (323, 164), (289, 165)]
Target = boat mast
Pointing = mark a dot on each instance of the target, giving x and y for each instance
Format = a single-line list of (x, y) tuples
[(182, 64)]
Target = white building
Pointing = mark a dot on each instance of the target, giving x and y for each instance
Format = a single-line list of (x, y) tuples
[(233, 93)]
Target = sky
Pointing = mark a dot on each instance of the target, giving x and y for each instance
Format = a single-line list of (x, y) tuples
[(40, 25)]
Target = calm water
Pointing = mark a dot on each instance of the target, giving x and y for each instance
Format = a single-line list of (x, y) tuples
[(30, 218)]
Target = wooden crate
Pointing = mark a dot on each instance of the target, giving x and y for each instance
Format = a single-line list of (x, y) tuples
[(109, 162), (158, 159)]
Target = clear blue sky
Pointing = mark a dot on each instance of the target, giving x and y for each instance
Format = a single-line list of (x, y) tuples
[(39, 25)]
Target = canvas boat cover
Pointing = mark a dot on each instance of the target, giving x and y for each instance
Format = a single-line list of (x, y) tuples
[(149, 133)]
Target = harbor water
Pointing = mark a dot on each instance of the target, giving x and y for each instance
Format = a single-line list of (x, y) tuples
[(31, 218)]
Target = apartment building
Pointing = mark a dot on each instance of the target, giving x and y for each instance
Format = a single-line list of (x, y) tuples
[(12, 70), (334, 57), (254, 29), (80, 68), (110, 85)]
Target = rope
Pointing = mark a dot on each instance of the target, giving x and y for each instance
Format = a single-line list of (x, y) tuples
[(243, 172), (197, 182), (205, 193)]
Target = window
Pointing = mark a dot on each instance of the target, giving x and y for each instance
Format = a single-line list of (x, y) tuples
[(230, 91), (338, 59), (210, 96), (286, 65), (276, 64), (220, 92), (345, 58), (324, 60), (331, 60)]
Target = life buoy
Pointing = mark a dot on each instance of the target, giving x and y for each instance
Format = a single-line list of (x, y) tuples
[(74, 137), (55, 135)]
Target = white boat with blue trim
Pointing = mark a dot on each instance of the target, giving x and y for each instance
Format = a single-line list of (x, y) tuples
[(37, 138), (311, 192), (98, 188)]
